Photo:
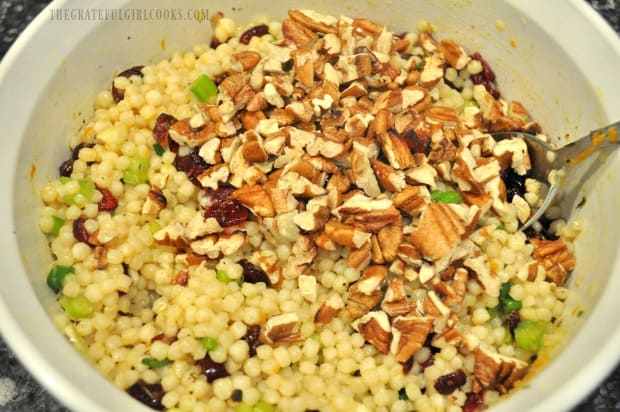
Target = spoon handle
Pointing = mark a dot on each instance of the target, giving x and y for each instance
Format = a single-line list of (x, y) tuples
[(598, 139)]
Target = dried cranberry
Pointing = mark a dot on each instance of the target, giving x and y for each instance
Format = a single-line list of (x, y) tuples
[(79, 230), (228, 212), (119, 94), (515, 184), (160, 131), (148, 394), (472, 402), (251, 337), (192, 165), (513, 320), (213, 370), (542, 232), (450, 382), (237, 395), (108, 202), (66, 168), (486, 77), (259, 30), (407, 365), (252, 274)]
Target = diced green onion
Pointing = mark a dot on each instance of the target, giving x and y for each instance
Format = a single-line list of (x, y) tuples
[(159, 150), (57, 223), (78, 307), (262, 406), (402, 394), (155, 363), (501, 227), (87, 189), (64, 179), (529, 335), (137, 172), (204, 89), (506, 303), (57, 275), (209, 343), (448, 196), (580, 313)]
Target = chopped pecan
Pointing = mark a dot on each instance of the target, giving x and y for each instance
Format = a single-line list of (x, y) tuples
[(254, 198), (362, 175), (155, 202), (438, 231), (360, 258), (346, 235), (329, 309), (247, 58), (303, 253), (487, 278), (389, 238), (409, 334), (388, 178), (296, 33), (445, 116), (396, 151), (411, 200), (432, 71), (375, 328), (233, 84), (314, 21), (554, 257), (215, 246), (496, 371), (282, 328), (366, 292), (183, 133), (454, 54), (454, 292), (491, 109), (395, 301)]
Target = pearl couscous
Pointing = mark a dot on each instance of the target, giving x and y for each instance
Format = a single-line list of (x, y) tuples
[(306, 215)]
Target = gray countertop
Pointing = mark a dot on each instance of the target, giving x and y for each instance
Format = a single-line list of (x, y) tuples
[(18, 389)]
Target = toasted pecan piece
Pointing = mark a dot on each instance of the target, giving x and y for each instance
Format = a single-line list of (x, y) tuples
[(365, 293), (375, 328), (438, 231), (282, 328), (255, 198), (395, 301), (496, 371), (329, 309), (555, 258), (409, 334)]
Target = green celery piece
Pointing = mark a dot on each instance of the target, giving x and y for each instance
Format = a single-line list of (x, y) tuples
[(87, 189), (529, 335), (204, 89), (448, 196), (57, 275), (56, 225), (137, 172)]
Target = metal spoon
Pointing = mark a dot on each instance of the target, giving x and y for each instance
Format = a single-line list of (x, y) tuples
[(572, 157)]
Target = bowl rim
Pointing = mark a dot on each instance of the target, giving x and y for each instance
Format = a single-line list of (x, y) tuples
[(68, 392)]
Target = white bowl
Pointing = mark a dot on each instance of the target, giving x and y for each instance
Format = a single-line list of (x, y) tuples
[(564, 68)]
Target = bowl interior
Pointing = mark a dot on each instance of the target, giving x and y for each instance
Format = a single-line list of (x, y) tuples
[(53, 73)]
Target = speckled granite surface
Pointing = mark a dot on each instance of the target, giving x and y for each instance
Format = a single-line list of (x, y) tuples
[(20, 392)]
